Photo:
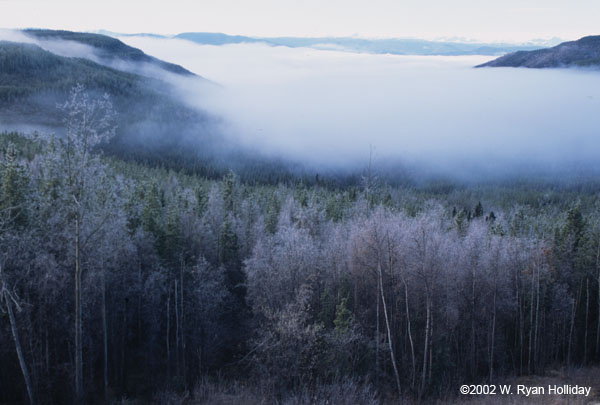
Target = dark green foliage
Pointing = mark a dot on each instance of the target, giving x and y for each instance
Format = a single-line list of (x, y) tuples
[(170, 246), (302, 195), (108, 48), (388, 201), (229, 257), (343, 317), (151, 219), (461, 220), (13, 191), (229, 191), (327, 311), (201, 200), (228, 246), (334, 208), (478, 212), (25, 147), (134, 211), (26, 69), (272, 215), (518, 223), (575, 226)]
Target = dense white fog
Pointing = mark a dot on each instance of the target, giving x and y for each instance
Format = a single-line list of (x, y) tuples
[(328, 107)]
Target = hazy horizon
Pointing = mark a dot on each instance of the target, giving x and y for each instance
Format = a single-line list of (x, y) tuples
[(509, 21)]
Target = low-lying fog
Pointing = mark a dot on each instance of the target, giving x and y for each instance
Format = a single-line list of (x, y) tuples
[(328, 107)]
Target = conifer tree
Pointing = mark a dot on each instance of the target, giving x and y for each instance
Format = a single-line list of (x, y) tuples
[(343, 317), (229, 191), (478, 210), (151, 212), (229, 257), (13, 189)]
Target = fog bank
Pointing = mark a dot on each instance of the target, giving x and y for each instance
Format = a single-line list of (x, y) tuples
[(327, 107)]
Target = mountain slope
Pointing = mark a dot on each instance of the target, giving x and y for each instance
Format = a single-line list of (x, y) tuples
[(27, 68), (151, 121), (583, 52), (107, 49), (32, 80), (154, 125)]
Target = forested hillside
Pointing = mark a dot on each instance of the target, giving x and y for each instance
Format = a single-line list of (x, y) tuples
[(584, 52), (128, 282), (153, 125), (108, 49), (34, 80)]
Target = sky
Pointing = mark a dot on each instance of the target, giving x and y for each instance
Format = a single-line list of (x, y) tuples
[(482, 20)]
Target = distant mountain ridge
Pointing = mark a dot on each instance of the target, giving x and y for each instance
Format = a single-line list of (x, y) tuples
[(584, 52), (395, 46)]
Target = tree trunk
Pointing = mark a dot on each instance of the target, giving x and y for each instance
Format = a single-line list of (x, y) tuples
[(537, 311), (597, 351), (493, 325), (123, 345), (377, 340), (521, 298), (530, 351), (182, 331), (410, 339), (176, 330), (431, 323), (572, 328), (47, 357), (168, 332), (78, 330), (15, 332), (105, 336), (426, 345), (587, 310), (521, 320), (473, 356), (389, 334)]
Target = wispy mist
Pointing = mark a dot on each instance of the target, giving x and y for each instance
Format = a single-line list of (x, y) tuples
[(70, 49)]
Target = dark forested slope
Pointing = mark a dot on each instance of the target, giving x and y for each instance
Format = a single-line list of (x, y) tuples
[(108, 49), (153, 124), (31, 77), (583, 52), (151, 120)]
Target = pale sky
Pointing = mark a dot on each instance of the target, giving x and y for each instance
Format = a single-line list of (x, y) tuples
[(484, 20)]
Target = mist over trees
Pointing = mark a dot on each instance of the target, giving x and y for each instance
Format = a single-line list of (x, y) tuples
[(438, 116), (121, 280), (308, 111)]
